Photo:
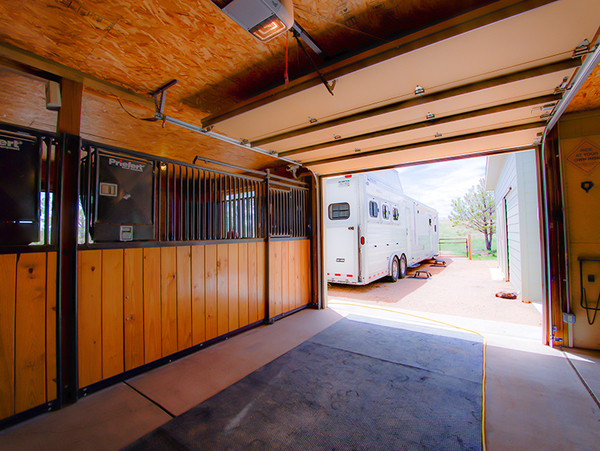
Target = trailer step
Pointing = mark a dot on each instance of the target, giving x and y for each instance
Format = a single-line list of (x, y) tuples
[(421, 272), (438, 262)]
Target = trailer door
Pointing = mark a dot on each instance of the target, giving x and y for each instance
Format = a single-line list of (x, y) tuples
[(342, 231)]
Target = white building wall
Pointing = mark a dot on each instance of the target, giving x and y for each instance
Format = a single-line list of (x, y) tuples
[(517, 186), (529, 224)]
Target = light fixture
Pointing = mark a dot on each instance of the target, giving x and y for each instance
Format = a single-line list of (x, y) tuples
[(264, 19), (337, 137), (438, 135), (419, 90), (430, 116), (312, 120)]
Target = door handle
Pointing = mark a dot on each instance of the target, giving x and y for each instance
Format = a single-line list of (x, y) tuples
[(351, 228)]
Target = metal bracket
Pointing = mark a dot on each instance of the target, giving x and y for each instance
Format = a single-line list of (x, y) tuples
[(160, 97), (582, 49)]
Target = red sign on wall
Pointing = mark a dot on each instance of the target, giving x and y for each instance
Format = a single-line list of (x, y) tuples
[(586, 156)]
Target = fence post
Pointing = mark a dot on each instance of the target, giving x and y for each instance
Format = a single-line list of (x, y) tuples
[(469, 253)]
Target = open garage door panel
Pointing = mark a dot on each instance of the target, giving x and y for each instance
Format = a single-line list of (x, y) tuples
[(491, 87)]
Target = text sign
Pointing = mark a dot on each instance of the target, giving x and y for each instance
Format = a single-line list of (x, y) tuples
[(586, 156)]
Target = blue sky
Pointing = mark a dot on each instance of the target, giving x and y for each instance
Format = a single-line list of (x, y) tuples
[(437, 184)]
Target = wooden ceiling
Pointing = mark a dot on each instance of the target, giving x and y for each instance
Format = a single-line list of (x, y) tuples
[(378, 50)]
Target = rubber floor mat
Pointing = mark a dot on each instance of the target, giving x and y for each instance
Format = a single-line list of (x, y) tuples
[(355, 386)]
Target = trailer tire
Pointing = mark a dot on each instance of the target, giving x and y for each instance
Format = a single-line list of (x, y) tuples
[(395, 270), (403, 266)]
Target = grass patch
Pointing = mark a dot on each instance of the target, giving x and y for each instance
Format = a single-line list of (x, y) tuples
[(479, 251)]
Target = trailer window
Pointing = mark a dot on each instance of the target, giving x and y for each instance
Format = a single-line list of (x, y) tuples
[(395, 214), (373, 209), (385, 211), (339, 211)]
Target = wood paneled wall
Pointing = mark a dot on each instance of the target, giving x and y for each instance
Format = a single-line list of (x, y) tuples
[(27, 331), (289, 278), (138, 305)]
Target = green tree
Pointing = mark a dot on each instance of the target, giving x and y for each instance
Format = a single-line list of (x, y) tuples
[(476, 210)]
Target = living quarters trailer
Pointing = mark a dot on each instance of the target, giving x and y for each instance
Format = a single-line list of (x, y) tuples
[(374, 230)]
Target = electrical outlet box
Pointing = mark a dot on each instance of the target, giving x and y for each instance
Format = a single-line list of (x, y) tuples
[(591, 278), (569, 318), (53, 101)]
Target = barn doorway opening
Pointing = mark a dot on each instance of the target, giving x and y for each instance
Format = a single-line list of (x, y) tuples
[(454, 273)]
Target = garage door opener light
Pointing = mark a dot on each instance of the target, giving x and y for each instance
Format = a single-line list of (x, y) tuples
[(264, 19)]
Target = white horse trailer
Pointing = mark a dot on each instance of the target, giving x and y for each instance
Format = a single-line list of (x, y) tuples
[(374, 230)]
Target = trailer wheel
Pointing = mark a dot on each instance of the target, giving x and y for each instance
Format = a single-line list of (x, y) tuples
[(395, 270), (402, 272)]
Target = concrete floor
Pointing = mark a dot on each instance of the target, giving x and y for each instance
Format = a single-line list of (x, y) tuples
[(535, 399)]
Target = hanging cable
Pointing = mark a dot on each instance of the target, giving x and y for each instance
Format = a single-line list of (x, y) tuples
[(287, 44), (149, 119)]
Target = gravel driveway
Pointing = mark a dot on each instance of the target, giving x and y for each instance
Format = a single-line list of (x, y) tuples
[(462, 288)]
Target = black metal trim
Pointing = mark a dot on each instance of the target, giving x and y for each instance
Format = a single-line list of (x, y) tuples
[(32, 131), (28, 414), (92, 388), (66, 286), (267, 223), (291, 312), (24, 249), (290, 238), (150, 244)]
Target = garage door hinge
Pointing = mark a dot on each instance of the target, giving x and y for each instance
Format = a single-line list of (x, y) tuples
[(583, 49)]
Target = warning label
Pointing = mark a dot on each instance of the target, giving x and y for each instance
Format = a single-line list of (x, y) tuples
[(586, 157)]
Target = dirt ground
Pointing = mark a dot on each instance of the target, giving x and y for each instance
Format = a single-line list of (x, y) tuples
[(462, 288)]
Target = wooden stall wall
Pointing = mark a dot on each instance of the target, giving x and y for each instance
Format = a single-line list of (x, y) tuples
[(27, 331), (289, 278), (138, 305)]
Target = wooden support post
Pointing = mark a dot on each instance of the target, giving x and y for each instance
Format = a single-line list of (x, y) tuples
[(469, 249), (69, 121)]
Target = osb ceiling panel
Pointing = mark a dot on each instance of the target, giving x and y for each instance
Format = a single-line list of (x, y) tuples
[(479, 54), (142, 45), (588, 97)]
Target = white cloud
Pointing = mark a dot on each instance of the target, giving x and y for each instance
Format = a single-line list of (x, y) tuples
[(436, 184)]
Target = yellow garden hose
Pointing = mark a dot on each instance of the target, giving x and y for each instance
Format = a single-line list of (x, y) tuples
[(352, 304)]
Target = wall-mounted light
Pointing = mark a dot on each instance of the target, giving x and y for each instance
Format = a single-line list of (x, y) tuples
[(430, 116), (337, 137), (419, 90), (438, 135), (312, 120), (264, 19)]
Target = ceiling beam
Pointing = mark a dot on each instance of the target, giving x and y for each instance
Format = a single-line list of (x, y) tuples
[(435, 142), (478, 18), (43, 65), (428, 123), (428, 98)]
